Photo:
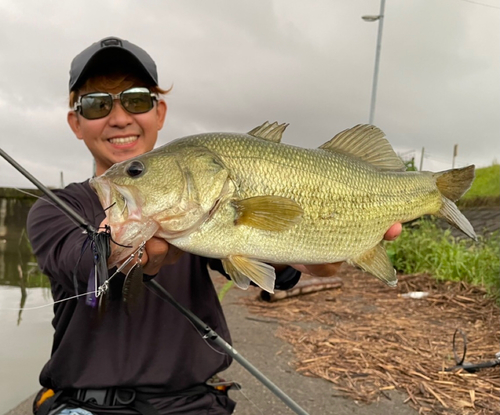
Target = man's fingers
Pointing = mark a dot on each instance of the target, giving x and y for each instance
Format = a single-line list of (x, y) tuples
[(157, 247), (319, 270), (393, 232), (157, 253)]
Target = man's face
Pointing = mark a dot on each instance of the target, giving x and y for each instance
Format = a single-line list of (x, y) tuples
[(120, 135)]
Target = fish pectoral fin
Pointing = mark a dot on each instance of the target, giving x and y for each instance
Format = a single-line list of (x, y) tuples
[(272, 132), (377, 263), (242, 270), (269, 213), (367, 143)]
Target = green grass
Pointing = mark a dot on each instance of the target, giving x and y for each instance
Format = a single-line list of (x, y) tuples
[(424, 247), (486, 183), (485, 190)]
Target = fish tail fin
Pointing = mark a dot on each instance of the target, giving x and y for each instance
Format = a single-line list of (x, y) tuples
[(453, 184)]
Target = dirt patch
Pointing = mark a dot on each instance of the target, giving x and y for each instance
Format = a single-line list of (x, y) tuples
[(368, 339)]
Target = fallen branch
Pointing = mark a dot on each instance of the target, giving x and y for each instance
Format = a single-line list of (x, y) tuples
[(303, 287)]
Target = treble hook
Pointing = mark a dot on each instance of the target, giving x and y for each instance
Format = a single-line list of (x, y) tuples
[(138, 253)]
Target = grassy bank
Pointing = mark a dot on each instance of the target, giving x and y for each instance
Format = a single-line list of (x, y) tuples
[(485, 190), (424, 247)]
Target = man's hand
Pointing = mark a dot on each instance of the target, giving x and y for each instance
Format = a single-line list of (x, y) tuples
[(328, 270), (157, 252)]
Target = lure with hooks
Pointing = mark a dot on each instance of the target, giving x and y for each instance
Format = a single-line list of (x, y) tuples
[(133, 286)]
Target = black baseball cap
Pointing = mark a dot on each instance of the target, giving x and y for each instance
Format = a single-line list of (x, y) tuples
[(110, 53)]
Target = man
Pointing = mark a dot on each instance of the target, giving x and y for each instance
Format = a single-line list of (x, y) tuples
[(151, 360)]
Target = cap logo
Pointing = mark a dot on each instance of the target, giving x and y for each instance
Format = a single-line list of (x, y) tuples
[(111, 42)]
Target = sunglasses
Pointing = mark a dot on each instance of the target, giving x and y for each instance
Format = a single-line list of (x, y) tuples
[(99, 104)]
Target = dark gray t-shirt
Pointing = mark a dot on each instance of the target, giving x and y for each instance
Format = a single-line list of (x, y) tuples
[(151, 346)]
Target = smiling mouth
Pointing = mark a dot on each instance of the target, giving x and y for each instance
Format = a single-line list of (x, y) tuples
[(123, 140)]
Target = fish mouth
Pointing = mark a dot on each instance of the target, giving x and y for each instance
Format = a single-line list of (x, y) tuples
[(122, 202), (103, 190), (123, 208)]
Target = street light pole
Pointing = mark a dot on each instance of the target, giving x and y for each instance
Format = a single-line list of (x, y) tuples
[(380, 19)]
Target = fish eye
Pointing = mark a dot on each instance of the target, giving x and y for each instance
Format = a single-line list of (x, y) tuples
[(135, 168)]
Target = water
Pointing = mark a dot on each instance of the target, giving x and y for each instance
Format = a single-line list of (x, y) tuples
[(26, 335)]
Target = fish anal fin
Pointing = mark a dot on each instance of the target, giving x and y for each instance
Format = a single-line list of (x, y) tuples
[(367, 143), (272, 132), (242, 270), (377, 263), (270, 213)]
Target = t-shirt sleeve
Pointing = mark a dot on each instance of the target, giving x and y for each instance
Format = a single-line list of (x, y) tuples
[(59, 244)]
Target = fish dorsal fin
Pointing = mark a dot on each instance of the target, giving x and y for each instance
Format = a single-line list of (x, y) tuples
[(269, 213), (368, 143), (272, 132)]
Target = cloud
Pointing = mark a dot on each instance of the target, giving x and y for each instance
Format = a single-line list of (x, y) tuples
[(234, 65)]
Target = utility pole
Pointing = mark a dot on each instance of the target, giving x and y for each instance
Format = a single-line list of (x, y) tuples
[(455, 153), (380, 19), (421, 159)]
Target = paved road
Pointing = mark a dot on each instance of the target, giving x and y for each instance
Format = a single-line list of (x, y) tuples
[(254, 338)]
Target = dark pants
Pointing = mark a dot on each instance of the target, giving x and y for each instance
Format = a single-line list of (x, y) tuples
[(211, 403), (214, 403)]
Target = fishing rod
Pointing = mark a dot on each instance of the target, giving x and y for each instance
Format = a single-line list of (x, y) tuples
[(50, 194), (206, 331), (210, 334)]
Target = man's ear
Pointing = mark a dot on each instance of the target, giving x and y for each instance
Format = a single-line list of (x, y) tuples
[(74, 123), (161, 112)]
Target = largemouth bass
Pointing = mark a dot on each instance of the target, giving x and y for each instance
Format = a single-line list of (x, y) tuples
[(251, 200)]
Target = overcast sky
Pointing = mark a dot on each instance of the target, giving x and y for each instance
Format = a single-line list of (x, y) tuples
[(236, 64)]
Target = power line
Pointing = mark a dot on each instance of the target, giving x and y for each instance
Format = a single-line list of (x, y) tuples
[(482, 4)]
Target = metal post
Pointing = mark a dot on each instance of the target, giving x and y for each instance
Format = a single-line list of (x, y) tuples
[(421, 159), (455, 153), (377, 61)]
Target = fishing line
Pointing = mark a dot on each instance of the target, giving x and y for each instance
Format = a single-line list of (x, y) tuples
[(118, 270), (46, 305), (240, 390)]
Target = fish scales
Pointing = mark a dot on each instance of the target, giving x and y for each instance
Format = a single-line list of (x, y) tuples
[(349, 199), (249, 199)]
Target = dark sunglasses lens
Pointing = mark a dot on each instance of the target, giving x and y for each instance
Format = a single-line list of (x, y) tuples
[(137, 100), (96, 105)]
